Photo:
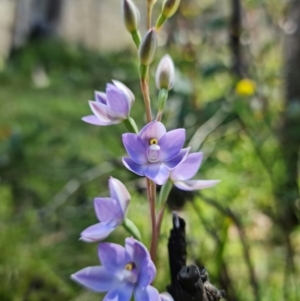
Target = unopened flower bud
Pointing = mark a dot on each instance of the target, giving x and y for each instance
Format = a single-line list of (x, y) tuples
[(131, 15), (165, 73), (170, 7), (148, 47)]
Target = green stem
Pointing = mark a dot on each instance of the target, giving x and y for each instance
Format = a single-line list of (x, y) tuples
[(143, 71), (164, 192), (163, 196), (146, 96), (160, 21), (151, 201), (136, 38), (162, 98), (150, 4)]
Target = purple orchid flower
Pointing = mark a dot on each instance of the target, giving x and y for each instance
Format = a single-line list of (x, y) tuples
[(154, 152), (111, 212), (111, 107), (124, 271), (182, 174)]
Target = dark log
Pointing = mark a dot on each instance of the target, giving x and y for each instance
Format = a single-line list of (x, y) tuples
[(188, 283)]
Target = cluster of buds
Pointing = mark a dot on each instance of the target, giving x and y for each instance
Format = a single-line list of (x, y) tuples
[(154, 153)]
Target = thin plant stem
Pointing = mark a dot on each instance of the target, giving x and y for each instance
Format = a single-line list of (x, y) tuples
[(149, 12), (155, 236), (146, 96), (159, 116), (151, 187), (151, 200), (159, 219), (150, 191)]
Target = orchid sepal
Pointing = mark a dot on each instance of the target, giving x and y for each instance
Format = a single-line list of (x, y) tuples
[(181, 175)]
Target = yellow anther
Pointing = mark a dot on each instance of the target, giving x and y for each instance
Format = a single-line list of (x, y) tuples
[(130, 266), (153, 141)]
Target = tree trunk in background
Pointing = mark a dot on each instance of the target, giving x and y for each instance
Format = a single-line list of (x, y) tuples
[(287, 191), (34, 19), (238, 61)]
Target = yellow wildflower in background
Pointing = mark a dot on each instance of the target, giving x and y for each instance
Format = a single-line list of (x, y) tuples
[(245, 87)]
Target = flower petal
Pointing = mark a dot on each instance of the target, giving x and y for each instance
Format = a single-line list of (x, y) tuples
[(154, 129), (119, 192), (117, 101), (96, 232), (147, 273), (141, 257), (96, 278), (122, 293), (195, 184), (157, 172), (135, 147), (165, 297), (171, 144), (108, 210), (181, 157), (100, 97), (149, 293), (136, 251), (113, 256), (92, 119), (103, 112), (126, 91), (139, 169), (188, 168)]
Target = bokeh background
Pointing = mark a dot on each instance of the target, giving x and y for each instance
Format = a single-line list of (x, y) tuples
[(237, 93)]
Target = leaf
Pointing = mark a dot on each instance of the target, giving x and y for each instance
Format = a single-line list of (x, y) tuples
[(131, 228)]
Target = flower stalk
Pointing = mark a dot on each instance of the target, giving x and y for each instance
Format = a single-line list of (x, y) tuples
[(146, 54), (164, 192), (162, 98), (146, 96), (136, 37), (150, 4), (151, 201)]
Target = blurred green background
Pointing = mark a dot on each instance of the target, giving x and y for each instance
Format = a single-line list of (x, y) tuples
[(245, 230)]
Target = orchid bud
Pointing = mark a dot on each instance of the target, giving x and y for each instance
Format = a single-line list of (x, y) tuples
[(169, 8), (131, 15), (165, 73), (148, 47)]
